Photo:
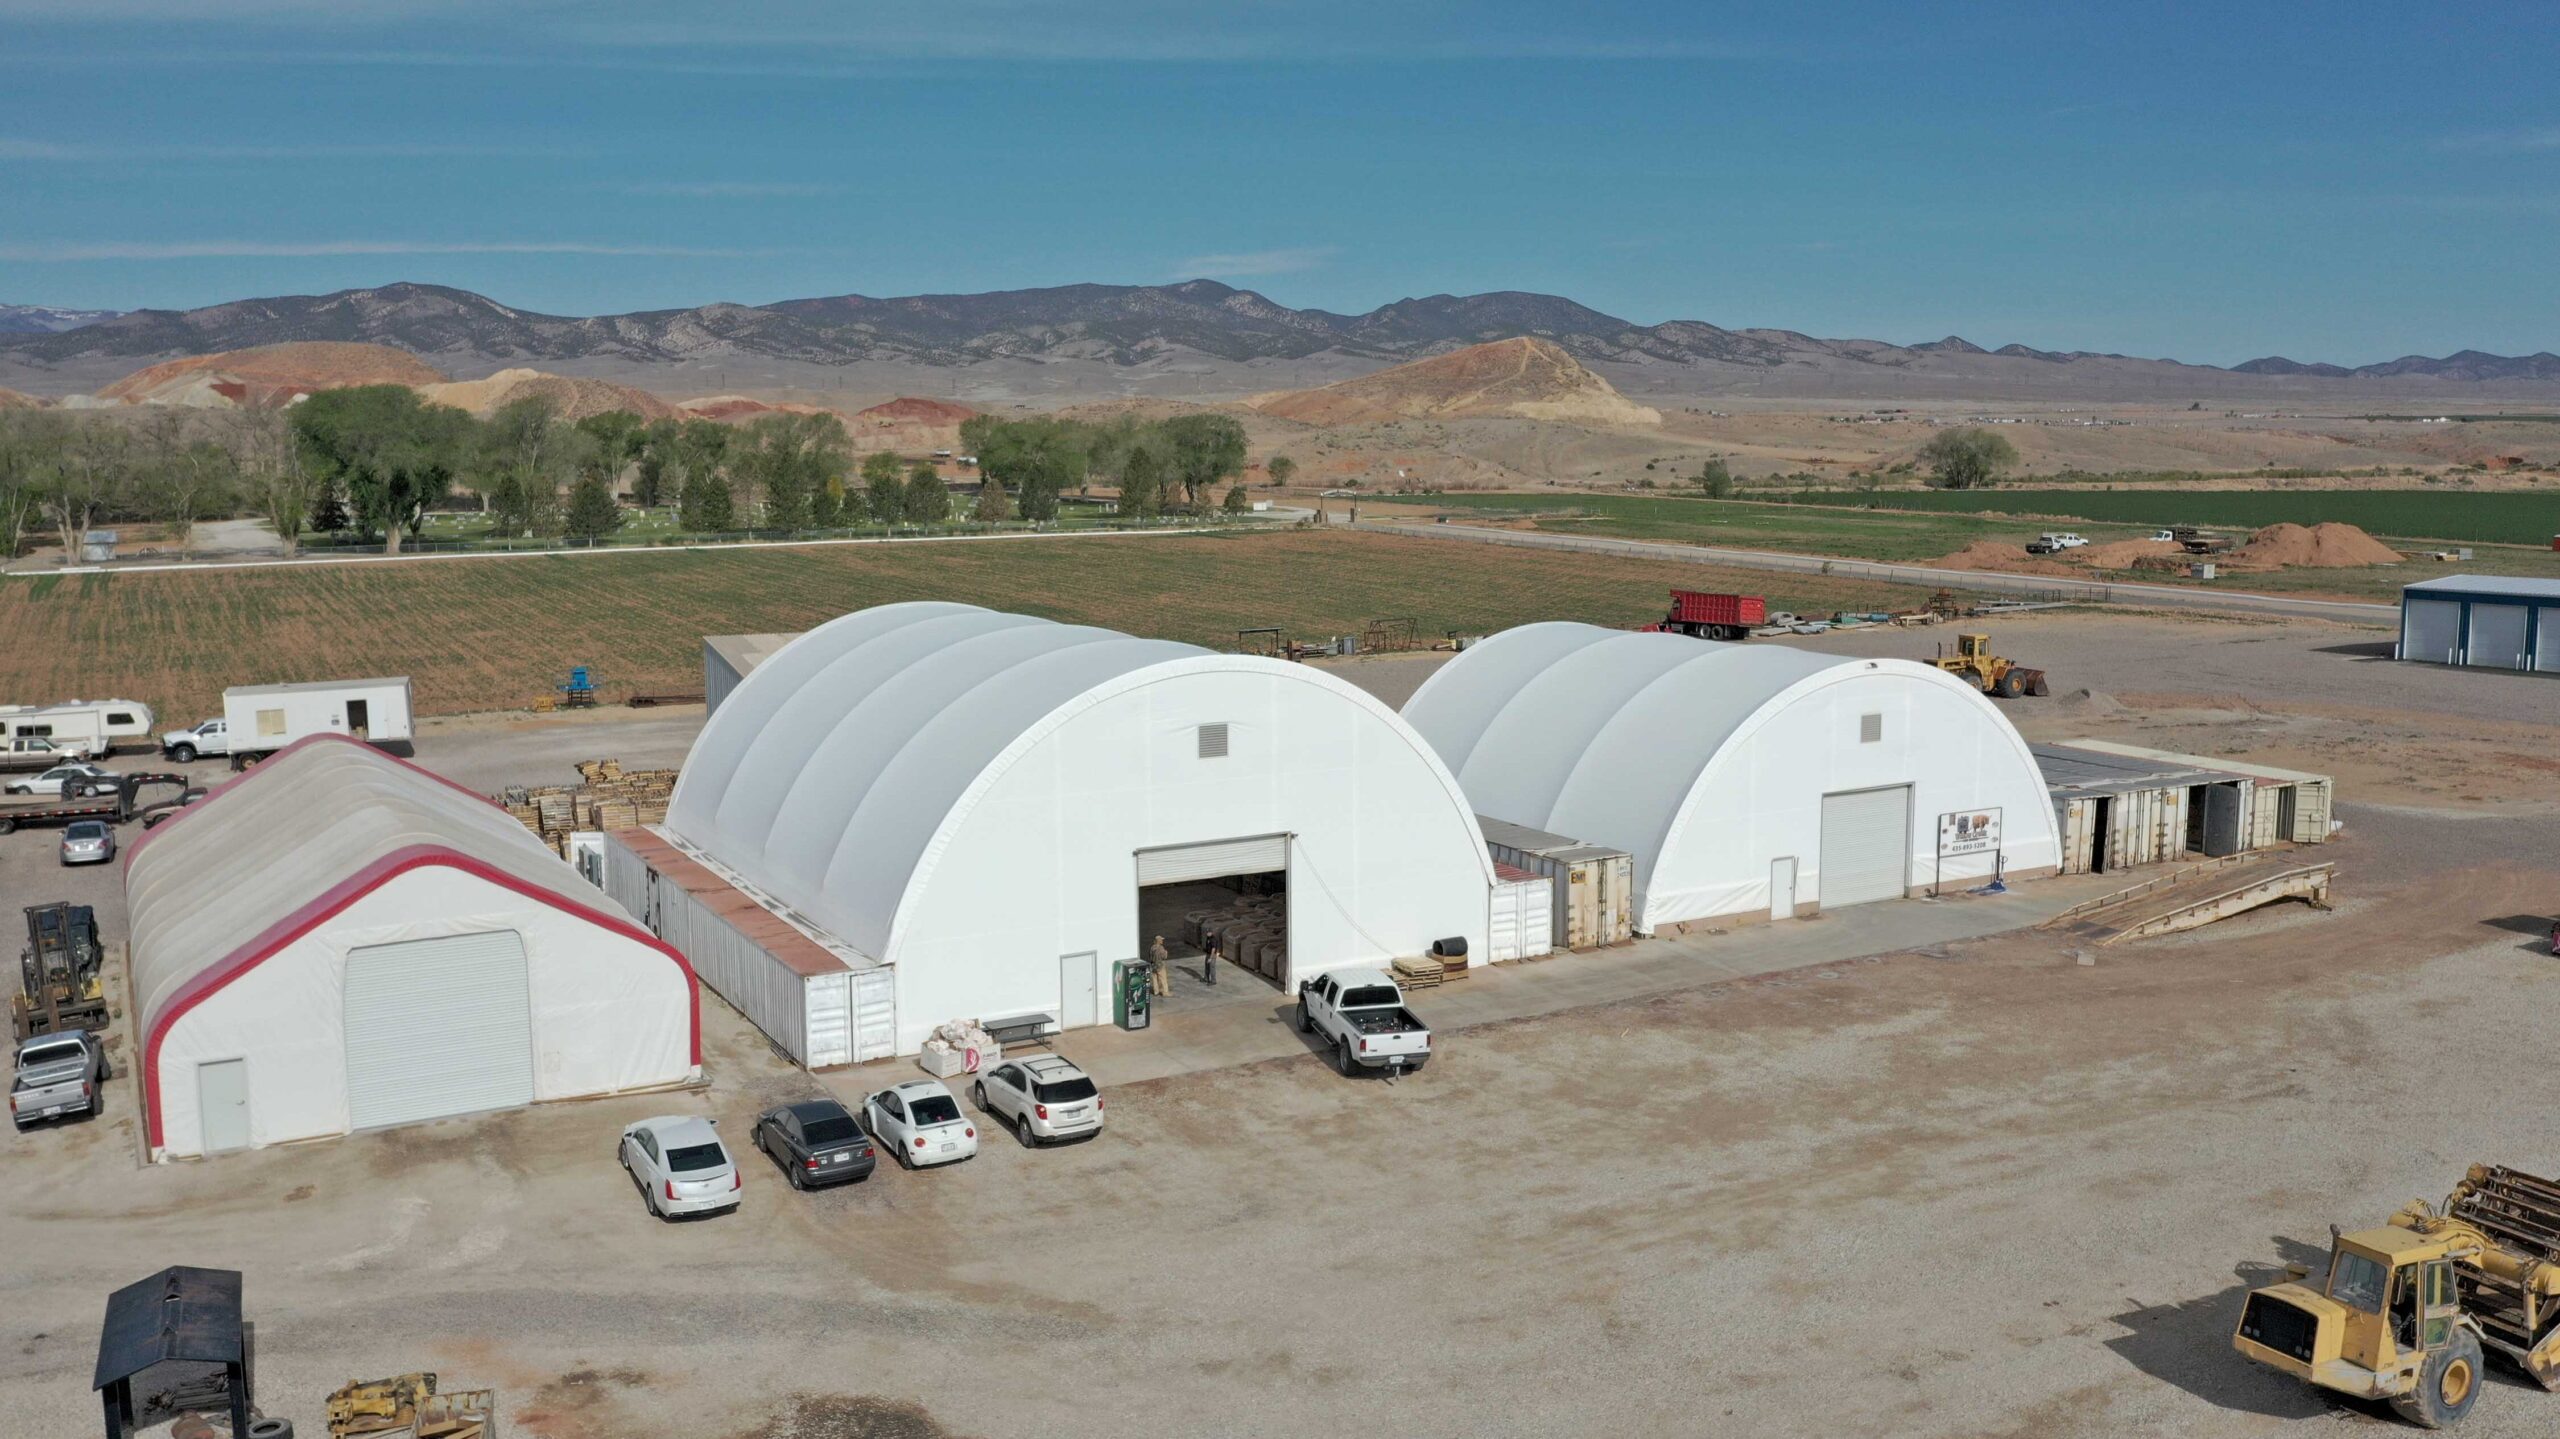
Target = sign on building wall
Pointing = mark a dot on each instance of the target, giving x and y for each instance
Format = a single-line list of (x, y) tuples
[(1972, 831)]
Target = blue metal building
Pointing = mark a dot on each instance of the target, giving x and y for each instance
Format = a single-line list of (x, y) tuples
[(2498, 622)]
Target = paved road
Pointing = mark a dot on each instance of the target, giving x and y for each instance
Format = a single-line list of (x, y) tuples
[(2097, 591)]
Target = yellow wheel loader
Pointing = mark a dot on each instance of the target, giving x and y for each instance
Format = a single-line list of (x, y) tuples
[(1994, 674), (2406, 1310)]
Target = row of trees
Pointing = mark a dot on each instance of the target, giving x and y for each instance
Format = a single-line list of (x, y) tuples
[(1959, 459), (373, 459)]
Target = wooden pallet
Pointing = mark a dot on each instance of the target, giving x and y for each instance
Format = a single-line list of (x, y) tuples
[(1420, 973)]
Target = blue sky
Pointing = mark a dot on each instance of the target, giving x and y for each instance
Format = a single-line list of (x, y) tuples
[(2347, 182)]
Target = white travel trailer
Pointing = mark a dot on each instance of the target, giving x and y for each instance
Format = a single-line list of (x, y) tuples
[(258, 720), (115, 722), (71, 731)]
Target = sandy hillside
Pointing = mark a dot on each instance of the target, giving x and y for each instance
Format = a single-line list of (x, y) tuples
[(744, 409), (12, 400), (909, 425), (269, 375), (577, 398), (1525, 377)]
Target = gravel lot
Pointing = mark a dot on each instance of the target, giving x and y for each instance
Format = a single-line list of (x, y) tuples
[(1975, 1190)]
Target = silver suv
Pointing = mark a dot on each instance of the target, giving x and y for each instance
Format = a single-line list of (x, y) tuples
[(1044, 1098)]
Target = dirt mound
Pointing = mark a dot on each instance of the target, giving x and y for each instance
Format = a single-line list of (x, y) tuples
[(907, 409), (2085, 703), (2320, 547), (1523, 378), (270, 375), (1994, 555), (576, 398), (739, 409), (2122, 554)]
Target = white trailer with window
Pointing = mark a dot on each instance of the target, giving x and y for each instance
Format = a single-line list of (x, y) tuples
[(260, 719), (114, 722)]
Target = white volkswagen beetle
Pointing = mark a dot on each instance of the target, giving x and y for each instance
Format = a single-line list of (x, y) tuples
[(921, 1123)]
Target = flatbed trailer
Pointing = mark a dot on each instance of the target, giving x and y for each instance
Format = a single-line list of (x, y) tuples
[(114, 801)]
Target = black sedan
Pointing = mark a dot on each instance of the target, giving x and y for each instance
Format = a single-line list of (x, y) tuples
[(816, 1143)]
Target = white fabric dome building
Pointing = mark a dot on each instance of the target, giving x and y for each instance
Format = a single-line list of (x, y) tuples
[(1743, 778), (977, 799)]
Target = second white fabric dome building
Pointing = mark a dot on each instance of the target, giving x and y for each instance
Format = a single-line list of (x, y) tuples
[(1741, 777)]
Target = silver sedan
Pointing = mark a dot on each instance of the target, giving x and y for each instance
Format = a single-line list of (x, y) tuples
[(88, 841)]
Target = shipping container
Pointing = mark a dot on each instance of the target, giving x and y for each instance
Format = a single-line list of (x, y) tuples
[(822, 1003), (1700, 607), (729, 659), (1523, 915), (1593, 886), (2124, 805)]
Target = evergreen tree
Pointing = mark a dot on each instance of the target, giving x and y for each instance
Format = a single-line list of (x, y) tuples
[(592, 512), (928, 500)]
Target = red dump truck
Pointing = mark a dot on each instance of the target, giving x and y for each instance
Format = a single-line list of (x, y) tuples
[(1706, 616)]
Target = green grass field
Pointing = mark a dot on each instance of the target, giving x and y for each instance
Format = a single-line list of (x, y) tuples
[(493, 633), (2490, 517)]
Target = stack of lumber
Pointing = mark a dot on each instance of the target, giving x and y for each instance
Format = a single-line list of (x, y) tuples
[(1420, 973), (607, 796)]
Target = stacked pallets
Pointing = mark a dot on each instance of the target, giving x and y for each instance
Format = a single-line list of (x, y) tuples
[(1420, 973), (607, 796)]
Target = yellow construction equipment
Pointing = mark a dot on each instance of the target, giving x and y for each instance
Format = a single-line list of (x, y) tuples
[(2406, 1309), (410, 1404), (1974, 660)]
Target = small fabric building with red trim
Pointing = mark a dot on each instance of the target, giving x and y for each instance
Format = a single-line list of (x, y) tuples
[(338, 940)]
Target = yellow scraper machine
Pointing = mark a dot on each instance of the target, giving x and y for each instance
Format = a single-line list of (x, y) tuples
[(2406, 1309)]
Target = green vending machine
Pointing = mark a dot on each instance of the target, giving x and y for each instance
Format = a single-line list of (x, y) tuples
[(1129, 996)]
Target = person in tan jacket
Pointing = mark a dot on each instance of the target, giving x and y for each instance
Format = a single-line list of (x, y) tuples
[(1160, 967)]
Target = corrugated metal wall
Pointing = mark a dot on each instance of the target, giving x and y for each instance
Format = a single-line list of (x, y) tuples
[(717, 680), (1523, 918), (1593, 897), (771, 995)]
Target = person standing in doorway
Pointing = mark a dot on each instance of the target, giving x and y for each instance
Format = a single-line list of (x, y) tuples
[(1209, 959), (1160, 967)]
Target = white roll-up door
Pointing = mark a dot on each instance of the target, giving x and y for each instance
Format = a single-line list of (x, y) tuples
[(1260, 855), (2497, 636), (1866, 846), (437, 1027), (2430, 630)]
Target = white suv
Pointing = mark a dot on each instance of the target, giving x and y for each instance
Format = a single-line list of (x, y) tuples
[(1044, 1098)]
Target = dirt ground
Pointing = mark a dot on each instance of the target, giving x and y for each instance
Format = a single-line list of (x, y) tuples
[(1980, 1189)]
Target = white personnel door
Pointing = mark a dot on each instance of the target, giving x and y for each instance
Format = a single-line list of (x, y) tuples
[(1782, 888), (1866, 847), (222, 1104), (437, 1027), (1078, 1002)]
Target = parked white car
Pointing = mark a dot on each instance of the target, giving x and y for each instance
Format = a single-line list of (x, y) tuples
[(681, 1166), (921, 1123), (1042, 1099), (51, 782)]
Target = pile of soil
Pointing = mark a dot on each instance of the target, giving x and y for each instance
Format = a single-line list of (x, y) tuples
[(1993, 555), (576, 397), (2122, 554), (2328, 546)]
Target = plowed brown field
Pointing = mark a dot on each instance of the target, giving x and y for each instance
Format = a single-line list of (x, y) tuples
[(487, 634)]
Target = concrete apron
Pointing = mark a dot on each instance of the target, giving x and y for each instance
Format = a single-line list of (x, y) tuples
[(1262, 1029)]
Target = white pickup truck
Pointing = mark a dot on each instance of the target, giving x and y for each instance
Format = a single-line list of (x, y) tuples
[(1360, 1013), (57, 1075)]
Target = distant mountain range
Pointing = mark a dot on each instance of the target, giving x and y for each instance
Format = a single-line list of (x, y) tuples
[(47, 320), (1114, 325)]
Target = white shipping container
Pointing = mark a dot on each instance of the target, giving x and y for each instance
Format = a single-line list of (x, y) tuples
[(261, 718), (821, 1013), (1523, 924)]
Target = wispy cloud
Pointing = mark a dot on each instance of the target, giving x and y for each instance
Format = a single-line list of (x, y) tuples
[(1242, 264), (727, 189), (2505, 142), (300, 249), (93, 152)]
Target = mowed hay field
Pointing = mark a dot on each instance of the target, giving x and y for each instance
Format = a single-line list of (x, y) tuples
[(493, 634)]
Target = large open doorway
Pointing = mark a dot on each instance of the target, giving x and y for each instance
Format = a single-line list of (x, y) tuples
[(1236, 890), (2102, 823)]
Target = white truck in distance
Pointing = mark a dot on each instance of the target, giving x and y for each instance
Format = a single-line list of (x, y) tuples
[(1360, 1013), (98, 722), (259, 719)]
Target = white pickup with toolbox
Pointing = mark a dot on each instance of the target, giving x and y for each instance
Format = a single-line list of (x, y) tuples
[(1360, 1014), (260, 719)]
